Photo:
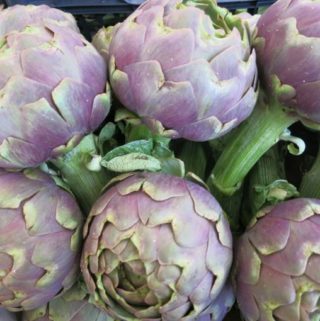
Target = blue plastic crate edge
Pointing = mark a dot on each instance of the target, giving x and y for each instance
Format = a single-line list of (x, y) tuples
[(81, 6), (119, 6), (72, 3)]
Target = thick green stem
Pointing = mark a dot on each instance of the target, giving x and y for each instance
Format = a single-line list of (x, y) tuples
[(253, 138), (231, 204), (310, 185), (84, 183)]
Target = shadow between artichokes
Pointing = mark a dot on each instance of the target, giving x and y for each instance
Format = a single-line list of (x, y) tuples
[(8, 316)]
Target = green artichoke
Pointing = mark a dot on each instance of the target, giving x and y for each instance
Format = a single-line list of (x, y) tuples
[(277, 263), (52, 85), (74, 305), (40, 239), (157, 247), (186, 68)]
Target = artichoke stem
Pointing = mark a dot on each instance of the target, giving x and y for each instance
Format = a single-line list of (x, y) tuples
[(310, 184), (252, 140), (85, 184)]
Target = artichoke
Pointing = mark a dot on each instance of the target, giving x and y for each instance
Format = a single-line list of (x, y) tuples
[(74, 305), (284, 32), (221, 306), (190, 72), (7, 316), (52, 86), (18, 17), (287, 44), (277, 263), (40, 239), (157, 247)]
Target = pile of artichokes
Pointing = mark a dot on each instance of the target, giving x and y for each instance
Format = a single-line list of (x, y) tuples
[(167, 169)]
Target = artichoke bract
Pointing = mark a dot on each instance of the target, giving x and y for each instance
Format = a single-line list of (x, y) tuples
[(7, 316), (157, 247), (277, 263), (52, 86), (282, 32), (40, 239), (101, 40), (18, 17), (74, 305), (183, 72), (221, 306), (250, 20)]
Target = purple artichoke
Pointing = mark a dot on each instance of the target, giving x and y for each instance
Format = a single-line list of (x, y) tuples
[(17, 18), (287, 50), (40, 239), (221, 306), (180, 70), (157, 248), (7, 316), (52, 86), (74, 305), (287, 42), (277, 263)]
